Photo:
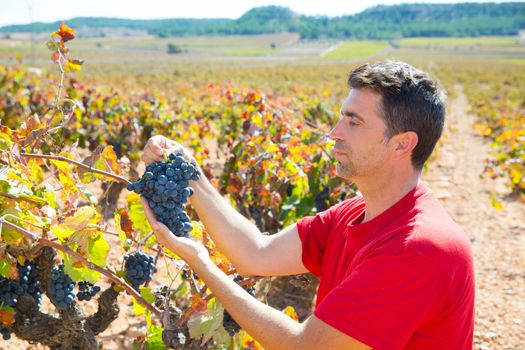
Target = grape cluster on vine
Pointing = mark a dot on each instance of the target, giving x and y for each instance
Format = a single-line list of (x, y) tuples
[(166, 187), (322, 199), (29, 278), (10, 290), (62, 288), (86, 291), (185, 274), (229, 324), (6, 332), (139, 268)]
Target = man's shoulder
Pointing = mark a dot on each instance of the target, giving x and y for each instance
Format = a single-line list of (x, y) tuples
[(355, 203), (423, 229), (436, 237)]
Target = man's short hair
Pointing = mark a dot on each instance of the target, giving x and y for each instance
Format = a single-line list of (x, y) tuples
[(411, 101)]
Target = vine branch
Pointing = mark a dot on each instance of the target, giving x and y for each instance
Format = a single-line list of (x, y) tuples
[(190, 311), (79, 164), (112, 277), (17, 198)]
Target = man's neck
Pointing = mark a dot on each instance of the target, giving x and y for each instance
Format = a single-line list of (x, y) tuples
[(381, 195)]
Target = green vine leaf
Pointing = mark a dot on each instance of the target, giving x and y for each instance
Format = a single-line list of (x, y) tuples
[(5, 268), (206, 324), (137, 215), (78, 274)]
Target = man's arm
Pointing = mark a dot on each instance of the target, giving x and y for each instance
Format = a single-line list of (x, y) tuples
[(272, 328), (251, 252)]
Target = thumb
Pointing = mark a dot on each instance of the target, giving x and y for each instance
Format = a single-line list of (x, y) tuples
[(160, 227)]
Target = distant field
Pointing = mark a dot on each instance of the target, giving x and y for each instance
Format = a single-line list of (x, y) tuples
[(149, 52), (253, 45), (355, 49), (452, 42), (514, 60), (221, 44)]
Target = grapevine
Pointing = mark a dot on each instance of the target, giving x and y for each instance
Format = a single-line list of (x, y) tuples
[(53, 227)]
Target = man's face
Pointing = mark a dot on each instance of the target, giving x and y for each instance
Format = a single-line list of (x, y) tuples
[(361, 148)]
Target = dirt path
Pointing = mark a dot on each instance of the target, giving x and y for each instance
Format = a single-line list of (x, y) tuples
[(498, 237)]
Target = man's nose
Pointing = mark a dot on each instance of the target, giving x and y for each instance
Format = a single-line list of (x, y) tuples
[(334, 134)]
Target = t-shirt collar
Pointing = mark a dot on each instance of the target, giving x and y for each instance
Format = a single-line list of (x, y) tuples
[(391, 213)]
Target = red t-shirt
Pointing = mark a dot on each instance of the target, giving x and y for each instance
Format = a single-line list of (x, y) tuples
[(403, 280)]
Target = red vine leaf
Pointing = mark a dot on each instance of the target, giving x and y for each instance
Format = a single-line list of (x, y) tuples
[(55, 57), (198, 304), (125, 223), (7, 316), (66, 33)]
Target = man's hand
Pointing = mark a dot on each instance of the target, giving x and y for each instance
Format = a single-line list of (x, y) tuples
[(158, 146), (188, 249)]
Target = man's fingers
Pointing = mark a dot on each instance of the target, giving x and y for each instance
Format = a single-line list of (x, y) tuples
[(157, 146), (149, 213), (149, 156), (154, 150), (148, 159)]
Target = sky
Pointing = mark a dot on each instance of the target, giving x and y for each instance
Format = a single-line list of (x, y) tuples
[(18, 11)]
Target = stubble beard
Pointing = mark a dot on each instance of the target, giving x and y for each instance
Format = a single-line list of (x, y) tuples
[(346, 170)]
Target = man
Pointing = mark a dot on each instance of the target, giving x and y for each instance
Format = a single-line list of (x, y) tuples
[(395, 271)]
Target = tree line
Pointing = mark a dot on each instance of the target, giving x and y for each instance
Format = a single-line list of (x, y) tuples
[(378, 22)]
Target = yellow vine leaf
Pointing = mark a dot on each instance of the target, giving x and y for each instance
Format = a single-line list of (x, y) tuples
[(74, 223), (249, 343), (73, 66), (290, 312), (106, 161)]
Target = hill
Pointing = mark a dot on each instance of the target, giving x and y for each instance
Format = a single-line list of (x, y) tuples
[(379, 22)]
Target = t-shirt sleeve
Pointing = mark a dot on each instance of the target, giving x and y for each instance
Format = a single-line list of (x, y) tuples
[(385, 299), (314, 231)]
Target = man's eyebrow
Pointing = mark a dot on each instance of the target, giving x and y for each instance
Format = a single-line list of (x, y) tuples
[(350, 114)]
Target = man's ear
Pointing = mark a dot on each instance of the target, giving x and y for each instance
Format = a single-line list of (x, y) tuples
[(404, 144)]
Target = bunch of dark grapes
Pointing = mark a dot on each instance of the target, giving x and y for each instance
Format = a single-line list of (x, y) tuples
[(86, 290), (61, 288), (6, 333), (322, 200), (139, 268), (229, 324), (166, 187), (10, 290), (28, 277), (186, 275)]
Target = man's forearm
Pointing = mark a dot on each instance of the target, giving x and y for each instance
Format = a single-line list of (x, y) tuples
[(272, 328), (235, 235)]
